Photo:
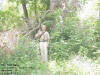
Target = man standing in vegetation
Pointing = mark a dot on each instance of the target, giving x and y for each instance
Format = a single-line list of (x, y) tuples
[(44, 43)]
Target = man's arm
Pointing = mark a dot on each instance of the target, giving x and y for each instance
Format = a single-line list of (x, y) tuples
[(48, 40), (37, 35)]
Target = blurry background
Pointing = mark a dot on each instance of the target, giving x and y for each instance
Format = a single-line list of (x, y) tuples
[(74, 27)]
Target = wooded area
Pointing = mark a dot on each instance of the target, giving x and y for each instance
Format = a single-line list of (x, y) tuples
[(74, 28)]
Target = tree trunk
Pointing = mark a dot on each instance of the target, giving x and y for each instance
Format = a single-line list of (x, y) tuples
[(54, 4), (36, 13), (25, 9), (25, 12)]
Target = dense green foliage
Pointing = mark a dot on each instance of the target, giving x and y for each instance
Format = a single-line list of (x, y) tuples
[(9, 19), (70, 39), (27, 60), (74, 41), (25, 56)]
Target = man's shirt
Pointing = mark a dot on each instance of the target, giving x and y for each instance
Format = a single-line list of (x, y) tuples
[(44, 36)]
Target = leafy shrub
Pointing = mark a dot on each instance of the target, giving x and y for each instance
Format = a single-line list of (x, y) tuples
[(8, 20), (26, 57), (71, 38)]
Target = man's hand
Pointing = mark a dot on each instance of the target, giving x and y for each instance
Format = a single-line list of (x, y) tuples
[(47, 45), (38, 34)]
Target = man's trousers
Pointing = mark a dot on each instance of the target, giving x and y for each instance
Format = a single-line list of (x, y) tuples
[(44, 51)]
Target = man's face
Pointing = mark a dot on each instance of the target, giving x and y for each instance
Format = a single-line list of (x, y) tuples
[(43, 28)]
